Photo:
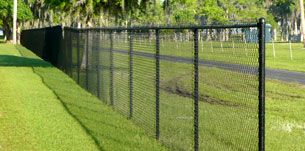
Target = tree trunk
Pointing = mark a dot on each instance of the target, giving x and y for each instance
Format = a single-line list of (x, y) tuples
[(302, 21), (287, 29), (274, 35), (167, 11), (281, 31), (295, 27), (8, 30)]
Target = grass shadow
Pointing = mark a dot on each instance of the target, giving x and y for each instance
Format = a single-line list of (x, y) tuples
[(17, 61), (107, 128)]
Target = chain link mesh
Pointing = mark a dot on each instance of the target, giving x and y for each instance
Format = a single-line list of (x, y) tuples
[(228, 91)]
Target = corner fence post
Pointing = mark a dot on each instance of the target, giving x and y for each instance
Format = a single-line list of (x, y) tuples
[(87, 61), (111, 68), (196, 94), (261, 96), (157, 84), (130, 74), (78, 57)]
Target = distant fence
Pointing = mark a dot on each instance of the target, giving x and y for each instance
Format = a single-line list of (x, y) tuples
[(44, 42), (192, 88)]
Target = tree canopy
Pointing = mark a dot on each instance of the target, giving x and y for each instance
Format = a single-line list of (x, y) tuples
[(6, 14), (133, 12), (283, 15)]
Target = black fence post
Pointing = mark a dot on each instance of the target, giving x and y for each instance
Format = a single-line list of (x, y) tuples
[(97, 49), (67, 53), (130, 74), (70, 55), (67, 40), (78, 57), (111, 68), (157, 84), (261, 96), (196, 94), (87, 61)]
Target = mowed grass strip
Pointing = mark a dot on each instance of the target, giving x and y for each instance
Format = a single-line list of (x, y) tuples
[(31, 117), (43, 109)]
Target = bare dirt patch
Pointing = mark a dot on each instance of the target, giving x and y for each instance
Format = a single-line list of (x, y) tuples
[(173, 87)]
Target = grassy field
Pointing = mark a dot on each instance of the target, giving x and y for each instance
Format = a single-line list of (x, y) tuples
[(228, 100), (282, 58), (43, 109), (234, 51)]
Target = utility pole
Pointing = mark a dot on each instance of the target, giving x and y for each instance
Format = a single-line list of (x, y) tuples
[(15, 23), (302, 21)]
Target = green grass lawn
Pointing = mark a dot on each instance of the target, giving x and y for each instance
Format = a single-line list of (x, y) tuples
[(236, 124), (43, 109), (282, 58)]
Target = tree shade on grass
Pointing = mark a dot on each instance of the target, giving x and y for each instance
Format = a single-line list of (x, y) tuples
[(43, 109)]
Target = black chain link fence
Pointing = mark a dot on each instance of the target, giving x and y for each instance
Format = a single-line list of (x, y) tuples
[(193, 88)]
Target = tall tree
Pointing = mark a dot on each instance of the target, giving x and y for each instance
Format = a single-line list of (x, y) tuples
[(167, 10), (282, 11), (6, 15), (212, 12)]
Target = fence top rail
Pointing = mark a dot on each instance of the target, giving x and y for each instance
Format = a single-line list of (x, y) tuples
[(166, 27), (43, 28), (154, 27)]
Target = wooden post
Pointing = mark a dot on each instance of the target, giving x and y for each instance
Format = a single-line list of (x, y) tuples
[(273, 48), (290, 50)]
